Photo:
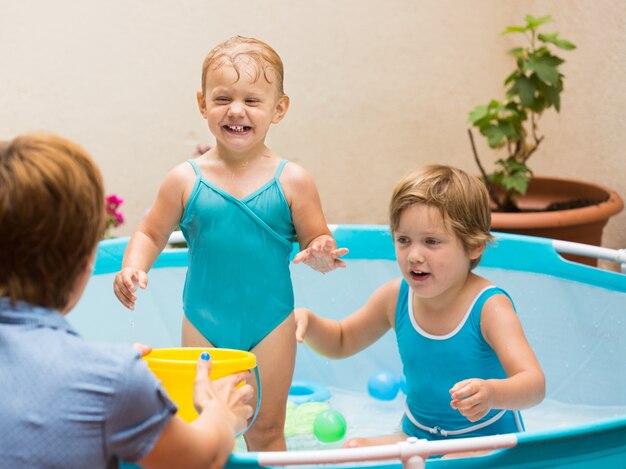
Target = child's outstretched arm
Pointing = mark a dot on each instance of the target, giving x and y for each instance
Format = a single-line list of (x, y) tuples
[(524, 386), (340, 339), (152, 234), (318, 248)]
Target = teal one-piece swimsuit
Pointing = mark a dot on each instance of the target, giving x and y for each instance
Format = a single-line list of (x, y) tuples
[(238, 285), (433, 364)]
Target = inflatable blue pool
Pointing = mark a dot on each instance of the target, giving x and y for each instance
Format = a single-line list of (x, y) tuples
[(574, 317)]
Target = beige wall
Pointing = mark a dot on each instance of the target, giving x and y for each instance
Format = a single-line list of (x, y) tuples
[(377, 88)]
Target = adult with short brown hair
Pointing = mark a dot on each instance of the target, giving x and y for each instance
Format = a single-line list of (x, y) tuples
[(67, 402)]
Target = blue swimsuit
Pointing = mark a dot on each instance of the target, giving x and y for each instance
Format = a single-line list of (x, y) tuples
[(433, 364), (238, 285)]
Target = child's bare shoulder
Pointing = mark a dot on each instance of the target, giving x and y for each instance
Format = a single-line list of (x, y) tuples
[(392, 286), (181, 173), (388, 291), (178, 180), (385, 299), (295, 174), (297, 181)]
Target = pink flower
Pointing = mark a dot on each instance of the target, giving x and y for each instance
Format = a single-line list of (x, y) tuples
[(113, 201), (114, 218)]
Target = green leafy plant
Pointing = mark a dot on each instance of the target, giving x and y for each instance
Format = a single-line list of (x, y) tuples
[(534, 86)]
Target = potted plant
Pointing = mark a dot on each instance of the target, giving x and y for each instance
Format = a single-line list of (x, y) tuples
[(522, 202)]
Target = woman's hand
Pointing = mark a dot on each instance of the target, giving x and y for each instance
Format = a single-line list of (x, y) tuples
[(223, 393), (143, 349)]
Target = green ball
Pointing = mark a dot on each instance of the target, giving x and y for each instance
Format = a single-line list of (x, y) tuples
[(329, 426)]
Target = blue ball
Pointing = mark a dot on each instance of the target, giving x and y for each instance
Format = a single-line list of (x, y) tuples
[(403, 384), (383, 385)]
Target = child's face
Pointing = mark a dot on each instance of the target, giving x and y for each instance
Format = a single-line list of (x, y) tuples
[(431, 257), (240, 110)]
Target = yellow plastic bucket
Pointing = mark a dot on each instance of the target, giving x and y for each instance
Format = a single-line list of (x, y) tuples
[(176, 368)]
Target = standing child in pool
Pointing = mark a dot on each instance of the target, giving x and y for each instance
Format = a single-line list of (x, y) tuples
[(239, 206), (467, 363)]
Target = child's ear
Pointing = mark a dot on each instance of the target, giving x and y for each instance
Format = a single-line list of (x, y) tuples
[(201, 103), (281, 109), (476, 251)]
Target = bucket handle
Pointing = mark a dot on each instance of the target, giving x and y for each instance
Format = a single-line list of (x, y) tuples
[(258, 402)]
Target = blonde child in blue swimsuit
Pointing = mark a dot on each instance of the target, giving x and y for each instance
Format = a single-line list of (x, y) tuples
[(468, 366), (240, 207)]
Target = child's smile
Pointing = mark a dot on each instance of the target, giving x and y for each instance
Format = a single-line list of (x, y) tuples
[(419, 276), (237, 129)]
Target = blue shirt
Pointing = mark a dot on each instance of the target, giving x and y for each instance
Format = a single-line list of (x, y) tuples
[(65, 402)]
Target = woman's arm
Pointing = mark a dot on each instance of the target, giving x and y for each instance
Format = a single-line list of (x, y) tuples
[(208, 441)]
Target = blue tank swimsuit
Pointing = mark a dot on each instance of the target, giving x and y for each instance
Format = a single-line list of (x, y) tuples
[(433, 364), (238, 285)]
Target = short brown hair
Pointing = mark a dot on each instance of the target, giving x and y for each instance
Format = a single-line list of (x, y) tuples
[(236, 51), (51, 217), (462, 199)]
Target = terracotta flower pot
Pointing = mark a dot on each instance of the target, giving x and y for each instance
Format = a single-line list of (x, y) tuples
[(581, 225)]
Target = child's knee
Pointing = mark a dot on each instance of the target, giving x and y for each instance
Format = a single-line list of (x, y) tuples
[(262, 436), (269, 427)]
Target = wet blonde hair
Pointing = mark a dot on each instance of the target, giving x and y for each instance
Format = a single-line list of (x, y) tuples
[(238, 52), (51, 217), (462, 200)]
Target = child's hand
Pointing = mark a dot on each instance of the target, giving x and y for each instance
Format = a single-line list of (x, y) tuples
[(472, 398), (322, 255), (223, 395), (125, 285), (301, 316)]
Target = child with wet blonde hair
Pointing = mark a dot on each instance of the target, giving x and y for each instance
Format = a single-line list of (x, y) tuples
[(238, 52), (468, 366), (239, 206)]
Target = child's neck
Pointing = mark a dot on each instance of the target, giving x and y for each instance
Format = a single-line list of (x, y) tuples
[(442, 302), (451, 304), (238, 159)]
